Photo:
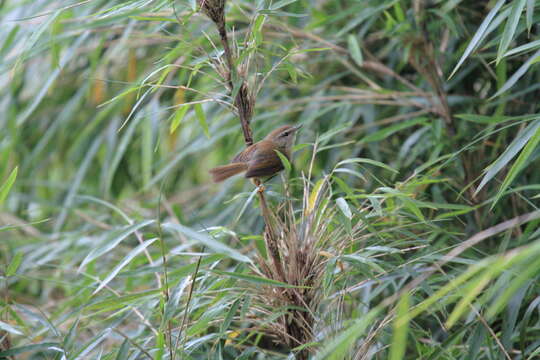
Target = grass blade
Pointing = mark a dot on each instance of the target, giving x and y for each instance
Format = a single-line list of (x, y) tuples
[(478, 36), (510, 28)]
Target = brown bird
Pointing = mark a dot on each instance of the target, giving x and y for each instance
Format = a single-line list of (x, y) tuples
[(261, 158)]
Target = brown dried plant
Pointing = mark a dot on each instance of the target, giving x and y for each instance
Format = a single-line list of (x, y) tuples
[(299, 260)]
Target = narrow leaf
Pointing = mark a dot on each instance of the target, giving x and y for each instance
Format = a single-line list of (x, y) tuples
[(178, 117), (14, 264), (529, 14), (286, 163), (518, 165), (344, 207), (517, 144), (478, 36), (400, 328), (127, 259), (367, 161), (202, 119), (510, 27), (255, 279), (112, 240), (354, 50), (314, 196), (518, 74), (10, 329), (6, 186), (390, 130), (215, 245)]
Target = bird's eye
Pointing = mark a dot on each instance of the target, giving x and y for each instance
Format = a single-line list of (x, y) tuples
[(286, 133)]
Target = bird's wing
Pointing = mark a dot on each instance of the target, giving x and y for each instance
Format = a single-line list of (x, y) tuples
[(245, 155), (264, 164)]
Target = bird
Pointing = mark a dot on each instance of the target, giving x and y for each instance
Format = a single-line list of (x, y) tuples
[(260, 159)]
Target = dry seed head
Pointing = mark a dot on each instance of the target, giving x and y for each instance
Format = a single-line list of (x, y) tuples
[(214, 9)]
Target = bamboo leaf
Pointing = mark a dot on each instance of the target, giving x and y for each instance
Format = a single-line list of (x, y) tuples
[(285, 161), (178, 117), (112, 240), (14, 264), (344, 207), (479, 35), (517, 144), (6, 186), (518, 74), (529, 14), (518, 165), (314, 196), (510, 28), (354, 50), (10, 329), (215, 245), (366, 161), (390, 130), (255, 279), (126, 260), (400, 328), (202, 119)]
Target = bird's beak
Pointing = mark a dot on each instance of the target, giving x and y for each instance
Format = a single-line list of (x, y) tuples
[(297, 127)]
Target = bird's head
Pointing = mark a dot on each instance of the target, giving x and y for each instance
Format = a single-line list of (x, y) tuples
[(284, 136)]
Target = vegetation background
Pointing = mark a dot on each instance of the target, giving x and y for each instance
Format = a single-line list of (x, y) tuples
[(415, 180)]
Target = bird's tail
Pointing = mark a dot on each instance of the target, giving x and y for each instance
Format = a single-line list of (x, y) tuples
[(221, 173)]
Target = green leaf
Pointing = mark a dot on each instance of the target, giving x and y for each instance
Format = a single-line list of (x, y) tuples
[(123, 352), (29, 348), (354, 50), (115, 302), (230, 315), (10, 329), (518, 165), (126, 260), (529, 14), (9, 39), (215, 245), (470, 293), (338, 347), (518, 74), (281, 3), (257, 29), (517, 144), (344, 207), (6, 186), (479, 35), (412, 207), (483, 119), (389, 130), (14, 264), (366, 161), (111, 241), (90, 345), (400, 328), (256, 279), (448, 288), (178, 117), (202, 119), (286, 163), (529, 271), (525, 47), (510, 28)]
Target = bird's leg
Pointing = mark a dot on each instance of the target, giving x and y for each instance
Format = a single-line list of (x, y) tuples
[(258, 184)]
